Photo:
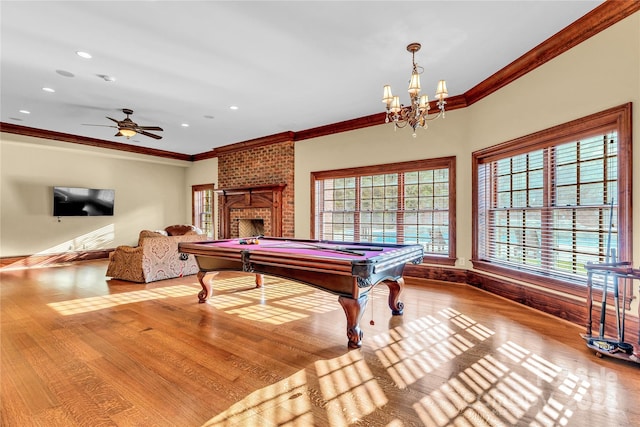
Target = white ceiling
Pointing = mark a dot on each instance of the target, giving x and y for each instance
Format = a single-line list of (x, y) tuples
[(287, 65)]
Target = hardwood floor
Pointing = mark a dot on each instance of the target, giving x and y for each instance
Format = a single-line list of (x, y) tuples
[(78, 350)]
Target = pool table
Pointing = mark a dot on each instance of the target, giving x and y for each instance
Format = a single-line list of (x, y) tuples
[(347, 269)]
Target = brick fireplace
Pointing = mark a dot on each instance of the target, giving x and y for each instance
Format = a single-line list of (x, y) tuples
[(256, 183)]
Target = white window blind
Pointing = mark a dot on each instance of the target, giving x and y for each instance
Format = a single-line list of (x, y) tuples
[(551, 210)]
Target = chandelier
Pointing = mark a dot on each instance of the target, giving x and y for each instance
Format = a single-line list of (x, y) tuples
[(417, 113)]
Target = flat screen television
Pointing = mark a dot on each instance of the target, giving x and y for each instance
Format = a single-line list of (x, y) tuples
[(74, 201)]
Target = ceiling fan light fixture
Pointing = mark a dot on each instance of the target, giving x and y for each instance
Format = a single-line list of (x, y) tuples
[(127, 132), (128, 128)]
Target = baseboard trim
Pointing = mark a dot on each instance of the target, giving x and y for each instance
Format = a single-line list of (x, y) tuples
[(565, 307)]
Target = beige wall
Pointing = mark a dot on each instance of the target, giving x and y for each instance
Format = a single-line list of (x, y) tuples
[(149, 194), (598, 74)]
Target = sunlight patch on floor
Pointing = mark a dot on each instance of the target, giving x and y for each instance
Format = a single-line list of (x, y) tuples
[(283, 403), (347, 393), (413, 350), (84, 305), (278, 301), (491, 393), (267, 314), (349, 387)]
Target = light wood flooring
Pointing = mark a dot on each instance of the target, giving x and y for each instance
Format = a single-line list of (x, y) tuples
[(80, 350)]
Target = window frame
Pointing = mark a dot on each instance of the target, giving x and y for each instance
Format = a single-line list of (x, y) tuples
[(195, 189), (618, 118), (448, 163)]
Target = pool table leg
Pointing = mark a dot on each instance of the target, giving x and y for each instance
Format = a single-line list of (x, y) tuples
[(354, 308), (205, 293), (395, 289)]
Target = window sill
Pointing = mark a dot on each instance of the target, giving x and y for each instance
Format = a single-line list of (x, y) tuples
[(438, 260)]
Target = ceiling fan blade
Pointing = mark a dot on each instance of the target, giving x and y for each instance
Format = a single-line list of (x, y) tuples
[(114, 120), (118, 134), (106, 126), (150, 135), (149, 128)]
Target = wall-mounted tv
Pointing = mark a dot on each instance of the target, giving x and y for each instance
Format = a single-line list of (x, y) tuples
[(74, 201)]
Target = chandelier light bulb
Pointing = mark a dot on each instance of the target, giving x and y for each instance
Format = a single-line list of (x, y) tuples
[(424, 103), (441, 91), (387, 97), (414, 84), (395, 105)]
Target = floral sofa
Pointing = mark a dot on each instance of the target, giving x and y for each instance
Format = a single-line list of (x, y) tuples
[(156, 257)]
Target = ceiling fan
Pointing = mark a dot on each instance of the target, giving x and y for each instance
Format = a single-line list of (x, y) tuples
[(128, 128)]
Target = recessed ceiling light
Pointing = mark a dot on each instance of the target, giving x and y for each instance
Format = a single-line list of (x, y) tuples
[(65, 73), (185, 125), (25, 111), (48, 89), (84, 55)]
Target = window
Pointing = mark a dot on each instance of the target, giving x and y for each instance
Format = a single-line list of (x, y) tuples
[(547, 203), (202, 207), (407, 203)]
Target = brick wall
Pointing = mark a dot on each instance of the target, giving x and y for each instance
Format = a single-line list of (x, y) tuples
[(262, 165)]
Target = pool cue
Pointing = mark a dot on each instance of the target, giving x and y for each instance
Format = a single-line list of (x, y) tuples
[(603, 307)]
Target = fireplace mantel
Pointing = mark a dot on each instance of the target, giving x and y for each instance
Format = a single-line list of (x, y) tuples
[(251, 189), (250, 197)]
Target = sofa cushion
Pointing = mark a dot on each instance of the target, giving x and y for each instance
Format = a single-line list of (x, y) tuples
[(179, 230), (145, 234)]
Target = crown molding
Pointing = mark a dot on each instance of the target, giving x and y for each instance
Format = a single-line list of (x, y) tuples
[(93, 142)]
